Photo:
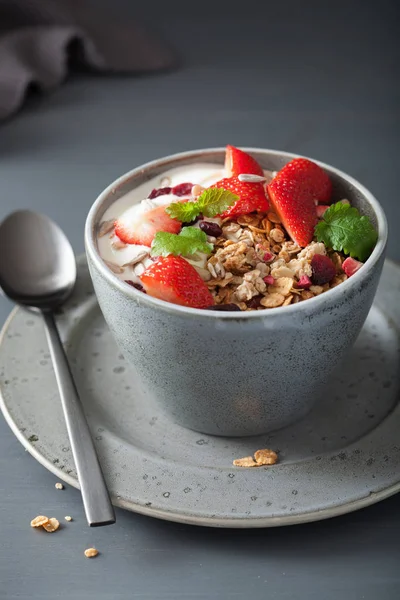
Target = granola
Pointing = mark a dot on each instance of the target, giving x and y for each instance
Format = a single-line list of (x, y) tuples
[(91, 552), (245, 267), (52, 525), (264, 457), (39, 521)]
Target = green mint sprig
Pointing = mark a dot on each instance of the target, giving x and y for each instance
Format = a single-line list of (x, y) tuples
[(343, 229), (212, 202), (189, 241)]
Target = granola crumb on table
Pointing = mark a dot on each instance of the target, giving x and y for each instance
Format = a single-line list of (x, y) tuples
[(49, 524), (52, 525), (39, 521)]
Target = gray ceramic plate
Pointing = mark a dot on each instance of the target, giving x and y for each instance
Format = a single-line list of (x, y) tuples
[(345, 455)]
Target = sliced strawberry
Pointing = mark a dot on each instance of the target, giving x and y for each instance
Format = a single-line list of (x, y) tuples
[(323, 269), (237, 162), (351, 266), (134, 227), (252, 197), (293, 193), (173, 279)]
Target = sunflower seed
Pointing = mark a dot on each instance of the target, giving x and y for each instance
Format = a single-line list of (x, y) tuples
[(113, 267), (105, 227), (249, 178)]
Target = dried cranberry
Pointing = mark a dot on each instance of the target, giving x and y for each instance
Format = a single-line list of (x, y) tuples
[(211, 228), (135, 285), (228, 307), (255, 302), (159, 192), (323, 269), (183, 189)]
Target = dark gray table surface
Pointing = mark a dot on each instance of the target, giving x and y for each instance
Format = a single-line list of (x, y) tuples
[(316, 78)]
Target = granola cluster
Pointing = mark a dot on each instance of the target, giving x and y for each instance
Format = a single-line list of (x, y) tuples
[(255, 265), (261, 458)]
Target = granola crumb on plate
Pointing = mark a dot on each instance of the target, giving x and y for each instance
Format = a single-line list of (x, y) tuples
[(91, 552)]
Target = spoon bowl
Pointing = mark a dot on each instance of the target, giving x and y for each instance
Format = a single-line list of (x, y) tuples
[(37, 263)]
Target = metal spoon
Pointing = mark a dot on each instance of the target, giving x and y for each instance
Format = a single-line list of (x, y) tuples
[(38, 270)]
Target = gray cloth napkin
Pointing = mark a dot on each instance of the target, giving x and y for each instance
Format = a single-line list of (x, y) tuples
[(39, 38)]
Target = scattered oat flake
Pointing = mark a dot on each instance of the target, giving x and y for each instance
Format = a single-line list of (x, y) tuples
[(282, 285), (39, 521), (114, 267), (59, 486), (52, 525), (261, 458), (247, 461), (272, 300), (68, 518), (266, 457), (288, 300), (91, 552)]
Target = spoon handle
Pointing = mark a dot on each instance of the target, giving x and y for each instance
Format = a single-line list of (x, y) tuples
[(96, 499)]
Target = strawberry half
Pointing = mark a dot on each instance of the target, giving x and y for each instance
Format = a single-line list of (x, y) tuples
[(293, 193), (173, 279), (134, 227), (237, 162), (252, 197)]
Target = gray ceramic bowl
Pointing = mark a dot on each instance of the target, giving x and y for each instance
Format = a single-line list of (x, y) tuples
[(235, 374)]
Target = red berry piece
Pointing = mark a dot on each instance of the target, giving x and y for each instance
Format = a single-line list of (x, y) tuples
[(159, 192), (183, 189), (304, 282), (351, 266), (323, 269)]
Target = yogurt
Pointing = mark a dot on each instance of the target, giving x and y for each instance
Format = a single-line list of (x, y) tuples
[(129, 261)]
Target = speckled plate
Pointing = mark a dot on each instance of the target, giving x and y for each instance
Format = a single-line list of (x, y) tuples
[(345, 455)]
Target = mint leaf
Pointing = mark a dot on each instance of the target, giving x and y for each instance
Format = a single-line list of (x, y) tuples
[(212, 202), (185, 212), (344, 229), (215, 201), (189, 241)]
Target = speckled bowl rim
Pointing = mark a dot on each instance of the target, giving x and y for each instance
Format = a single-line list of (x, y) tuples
[(310, 306)]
